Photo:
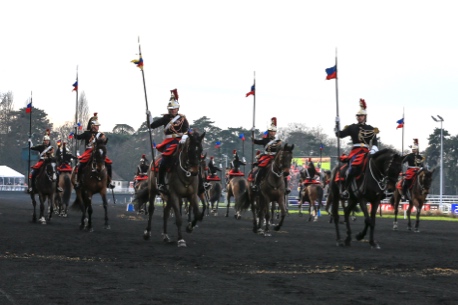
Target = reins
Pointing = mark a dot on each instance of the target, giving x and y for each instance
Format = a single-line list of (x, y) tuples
[(382, 182)]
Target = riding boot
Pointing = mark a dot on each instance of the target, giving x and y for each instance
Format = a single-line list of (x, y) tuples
[(110, 183), (405, 189), (287, 189), (161, 187), (78, 174), (258, 179), (33, 174), (344, 185), (58, 188)]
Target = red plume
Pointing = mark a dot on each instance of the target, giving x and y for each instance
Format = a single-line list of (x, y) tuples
[(310, 159), (234, 151), (362, 104), (48, 132), (175, 93), (95, 113), (415, 142), (258, 152), (274, 121), (143, 156)]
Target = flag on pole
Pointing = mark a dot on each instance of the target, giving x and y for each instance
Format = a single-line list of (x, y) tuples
[(321, 146), (80, 126), (251, 92), (400, 123), (265, 134), (138, 62), (242, 136), (331, 72), (154, 144), (70, 136), (75, 86), (217, 144), (29, 108)]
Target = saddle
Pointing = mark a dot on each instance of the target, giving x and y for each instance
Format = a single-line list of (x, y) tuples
[(235, 173), (64, 167), (141, 177), (213, 178), (310, 181)]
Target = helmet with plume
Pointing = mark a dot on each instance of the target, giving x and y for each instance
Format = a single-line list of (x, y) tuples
[(93, 121), (273, 124), (47, 137), (415, 144), (363, 106), (143, 158), (173, 102)]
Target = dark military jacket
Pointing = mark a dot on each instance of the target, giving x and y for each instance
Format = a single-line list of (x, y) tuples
[(178, 127), (273, 147), (360, 134), (413, 159)]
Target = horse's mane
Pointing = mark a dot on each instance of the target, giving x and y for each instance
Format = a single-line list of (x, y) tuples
[(382, 152)]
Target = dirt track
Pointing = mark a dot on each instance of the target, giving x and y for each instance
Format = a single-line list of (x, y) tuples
[(224, 263)]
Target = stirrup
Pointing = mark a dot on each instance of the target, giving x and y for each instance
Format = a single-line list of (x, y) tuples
[(59, 189), (287, 191), (162, 188), (111, 185), (207, 186), (255, 188), (77, 185), (30, 190), (344, 195)]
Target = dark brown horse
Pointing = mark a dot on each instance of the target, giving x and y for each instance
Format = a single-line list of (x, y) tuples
[(45, 187), (65, 182), (380, 173), (183, 182), (419, 190), (93, 180), (312, 191), (272, 189), (238, 188), (210, 197)]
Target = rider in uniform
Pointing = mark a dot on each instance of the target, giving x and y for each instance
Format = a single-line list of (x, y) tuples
[(236, 162), (271, 144), (63, 154), (364, 138), (176, 128), (46, 151), (414, 162), (89, 136), (212, 167), (142, 167)]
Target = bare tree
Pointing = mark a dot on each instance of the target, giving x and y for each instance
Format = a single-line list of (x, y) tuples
[(83, 110), (123, 129), (6, 107)]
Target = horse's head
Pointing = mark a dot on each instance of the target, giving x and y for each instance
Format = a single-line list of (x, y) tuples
[(284, 158), (425, 178), (50, 169), (99, 154), (192, 152), (389, 163)]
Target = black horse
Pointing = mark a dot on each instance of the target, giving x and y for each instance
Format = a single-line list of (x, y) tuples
[(46, 180), (93, 180), (379, 174), (183, 182)]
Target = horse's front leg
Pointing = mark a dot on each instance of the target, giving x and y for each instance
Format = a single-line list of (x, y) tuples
[(347, 211), (147, 231), (396, 199), (367, 219), (372, 242), (417, 222), (178, 221), (194, 203), (409, 212), (267, 217), (281, 206), (228, 203), (51, 204), (105, 208), (89, 227), (34, 203), (41, 218)]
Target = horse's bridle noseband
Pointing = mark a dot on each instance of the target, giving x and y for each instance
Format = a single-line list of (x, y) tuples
[(382, 181)]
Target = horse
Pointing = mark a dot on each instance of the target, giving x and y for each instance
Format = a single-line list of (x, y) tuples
[(312, 191), (213, 195), (45, 187), (65, 182), (237, 187), (418, 191), (93, 180), (380, 172), (272, 189), (183, 182)]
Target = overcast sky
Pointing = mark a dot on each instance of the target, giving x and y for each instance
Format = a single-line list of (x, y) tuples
[(395, 54)]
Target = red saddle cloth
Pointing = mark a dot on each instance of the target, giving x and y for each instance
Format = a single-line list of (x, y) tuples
[(140, 177), (310, 181), (233, 173), (64, 168), (213, 178)]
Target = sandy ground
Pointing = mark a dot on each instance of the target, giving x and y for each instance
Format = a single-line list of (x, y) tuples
[(223, 263)]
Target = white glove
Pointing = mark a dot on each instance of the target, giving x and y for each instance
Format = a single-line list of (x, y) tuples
[(373, 150), (30, 141), (337, 119), (243, 159), (183, 139), (148, 113)]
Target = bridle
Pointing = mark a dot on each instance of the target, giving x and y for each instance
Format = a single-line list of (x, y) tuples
[(185, 168), (51, 176), (378, 175)]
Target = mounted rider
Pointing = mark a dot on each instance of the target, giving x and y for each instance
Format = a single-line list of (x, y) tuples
[(176, 128), (142, 170), (272, 144), (212, 168), (46, 151), (414, 162), (235, 164), (64, 156), (363, 137), (90, 135)]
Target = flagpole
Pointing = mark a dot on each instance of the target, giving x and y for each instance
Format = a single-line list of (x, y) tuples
[(146, 102), (337, 109), (254, 119), (403, 127), (30, 137), (74, 142)]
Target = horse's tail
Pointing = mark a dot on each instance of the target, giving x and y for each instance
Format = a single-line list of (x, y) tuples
[(216, 192), (242, 201), (320, 195), (141, 197), (67, 189)]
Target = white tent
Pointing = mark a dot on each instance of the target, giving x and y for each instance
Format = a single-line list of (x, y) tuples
[(9, 176)]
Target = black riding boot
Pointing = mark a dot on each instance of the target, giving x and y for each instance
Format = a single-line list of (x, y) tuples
[(110, 183), (344, 186), (258, 178), (33, 175), (405, 189), (78, 175), (161, 187)]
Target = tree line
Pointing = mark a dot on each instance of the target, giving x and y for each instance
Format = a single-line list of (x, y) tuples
[(126, 144)]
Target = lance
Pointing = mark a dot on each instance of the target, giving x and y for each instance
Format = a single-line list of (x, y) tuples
[(30, 137), (75, 85), (254, 118), (337, 128), (140, 65)]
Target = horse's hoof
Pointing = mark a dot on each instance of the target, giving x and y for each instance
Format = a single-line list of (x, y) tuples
[(375, 246), (227, 215), (348, 242), (340, 243), (238, 217), (91, 230), (395, 228), (359, 236), (409, 229), (277, 228), (165, 238), (181, 243), (189, 228), (65, 215), (107, 227), (146, 235), (260, 231), (267, 234), (416, 230)]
